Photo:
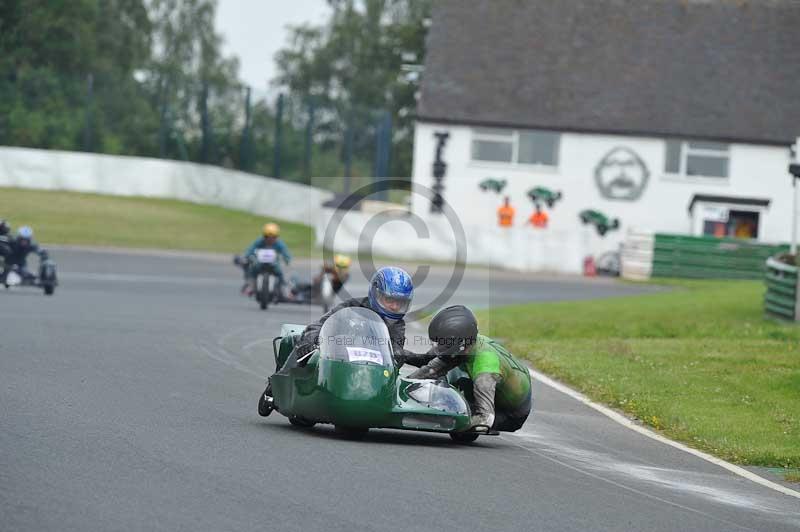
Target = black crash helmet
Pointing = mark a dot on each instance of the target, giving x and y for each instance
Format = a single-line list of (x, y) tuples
[(453, 330)]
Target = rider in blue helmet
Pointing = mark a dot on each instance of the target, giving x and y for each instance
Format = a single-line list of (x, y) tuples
[(19, 248), (390, 293)]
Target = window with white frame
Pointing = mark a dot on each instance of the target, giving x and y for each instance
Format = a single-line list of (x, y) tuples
[(697, 159), (532, 147)]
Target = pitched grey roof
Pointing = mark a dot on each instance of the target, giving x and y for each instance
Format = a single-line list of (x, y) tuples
[(717, 69)]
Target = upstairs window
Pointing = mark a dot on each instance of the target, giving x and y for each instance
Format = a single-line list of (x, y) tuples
[(529, 147), (696, 159)]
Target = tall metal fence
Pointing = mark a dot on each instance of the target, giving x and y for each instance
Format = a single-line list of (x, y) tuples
[(285, 136)]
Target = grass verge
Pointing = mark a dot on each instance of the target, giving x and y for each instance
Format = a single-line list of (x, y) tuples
[(699, 364), (136, 222)]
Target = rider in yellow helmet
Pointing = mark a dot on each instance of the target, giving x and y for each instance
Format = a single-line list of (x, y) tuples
[(271, 230), (339, 272), (255, 254), (340, 269)]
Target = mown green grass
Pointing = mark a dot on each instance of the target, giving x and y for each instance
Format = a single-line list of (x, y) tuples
[(72, 218), (700, 363)]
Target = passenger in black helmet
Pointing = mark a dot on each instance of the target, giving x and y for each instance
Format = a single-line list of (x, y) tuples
[(501, 385)]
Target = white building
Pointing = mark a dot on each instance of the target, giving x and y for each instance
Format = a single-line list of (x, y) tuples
[(669, 115)]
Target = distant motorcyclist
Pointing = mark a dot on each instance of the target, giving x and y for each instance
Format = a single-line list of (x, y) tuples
[(501, 386), (21, 246), (339, 272), (5, 239), (390, 293), (269, 240)]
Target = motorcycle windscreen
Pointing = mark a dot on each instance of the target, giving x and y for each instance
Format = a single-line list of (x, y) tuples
[(436, 395), (356, 335)]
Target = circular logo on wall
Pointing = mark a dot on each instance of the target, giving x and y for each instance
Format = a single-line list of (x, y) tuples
[(621, 175)]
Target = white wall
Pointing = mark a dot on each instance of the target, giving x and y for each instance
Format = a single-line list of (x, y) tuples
[(158, 178), (550, 251), (755, 171)]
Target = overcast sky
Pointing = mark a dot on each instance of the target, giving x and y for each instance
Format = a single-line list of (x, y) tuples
[(255, 29)]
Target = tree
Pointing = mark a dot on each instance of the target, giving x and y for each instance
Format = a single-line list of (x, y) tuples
[(49, 50), (114, 76), (352, 69), (189, 76)]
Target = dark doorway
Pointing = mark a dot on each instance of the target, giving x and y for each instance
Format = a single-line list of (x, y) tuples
[(740, 224)]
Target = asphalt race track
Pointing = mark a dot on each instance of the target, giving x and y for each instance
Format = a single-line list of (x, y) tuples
[(128, 402)]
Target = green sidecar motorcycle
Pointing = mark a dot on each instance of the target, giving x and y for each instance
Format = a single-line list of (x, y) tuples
[(351, 381)]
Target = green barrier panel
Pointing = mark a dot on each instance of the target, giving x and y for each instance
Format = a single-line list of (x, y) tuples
[(710, 258), (781, 297)]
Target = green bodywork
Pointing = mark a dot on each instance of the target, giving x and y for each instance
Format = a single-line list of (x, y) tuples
[(357, 396), (496, 185), (539, 194), (600, 221)]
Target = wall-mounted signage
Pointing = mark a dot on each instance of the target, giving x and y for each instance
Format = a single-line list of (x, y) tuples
[(621, 175)]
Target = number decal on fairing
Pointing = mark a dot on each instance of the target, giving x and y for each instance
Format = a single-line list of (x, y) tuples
[(362, 354), (266, 256)]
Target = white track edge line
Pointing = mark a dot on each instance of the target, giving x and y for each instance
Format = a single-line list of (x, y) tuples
[(625, 422)]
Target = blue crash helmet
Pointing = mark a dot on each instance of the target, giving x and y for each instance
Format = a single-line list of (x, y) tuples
[(390, 292)]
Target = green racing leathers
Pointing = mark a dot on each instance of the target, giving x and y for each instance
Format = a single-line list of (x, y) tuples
[(501, 385)]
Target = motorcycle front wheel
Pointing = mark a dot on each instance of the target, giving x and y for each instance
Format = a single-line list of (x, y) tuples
[(263, 293)]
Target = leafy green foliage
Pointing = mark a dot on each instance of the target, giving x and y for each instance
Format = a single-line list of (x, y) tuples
[(50, 53), (147, 77)]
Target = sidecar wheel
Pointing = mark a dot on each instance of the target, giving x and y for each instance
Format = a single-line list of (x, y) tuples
[(352, 433), (301, 422), (464, 437)]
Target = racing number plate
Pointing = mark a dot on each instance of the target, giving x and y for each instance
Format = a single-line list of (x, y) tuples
[(266, 256), (362, 354)]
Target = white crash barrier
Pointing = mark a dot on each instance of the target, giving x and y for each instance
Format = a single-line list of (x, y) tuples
[(637, 255), (159, 178), (519, 248)]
